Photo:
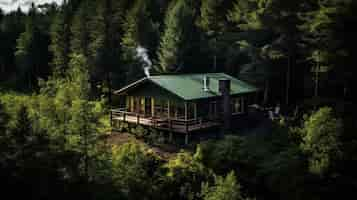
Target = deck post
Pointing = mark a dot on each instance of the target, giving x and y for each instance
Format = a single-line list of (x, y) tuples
[(142, 105), (186, 139), (124, 117), (170, 133), (168, 109), (186, 127), (195, 110), (132, 109), (138, 119), (152, 106), (185, 110)]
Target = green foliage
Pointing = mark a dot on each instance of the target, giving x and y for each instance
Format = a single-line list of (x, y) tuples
[(251, 15), (31, 52), (225, 151), (60, 39), (51, 144), (176, 37), (133, 170), (140, 131), (138, 27), (3, 120), (212, 19), (320, 140), (80, 30), (183, 176), (224, 188)]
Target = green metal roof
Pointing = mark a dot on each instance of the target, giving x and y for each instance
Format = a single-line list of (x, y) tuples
[(190, 86)]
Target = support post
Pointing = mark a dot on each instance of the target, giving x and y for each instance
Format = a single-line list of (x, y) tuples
[(152, 107), (142, 105), (124, 117), (195, 110), (185, 110), (186, 126), (170, 133), (138, 119), (131, 104), (168, 109), (186, 139)]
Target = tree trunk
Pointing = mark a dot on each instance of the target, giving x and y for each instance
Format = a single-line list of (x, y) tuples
[(266, 93), (317, 75), (109, 89), (316, 93), (288, 81)]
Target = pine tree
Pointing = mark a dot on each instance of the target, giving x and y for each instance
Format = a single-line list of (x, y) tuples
[(77, 77), (321, 47), (83, 125), (321, 140), (176, 37), (104, 48), (27, 49), (212, 18), (21, 133), (139, 31), (80, 30), (138, 27), (60, 39), (277, 20), (213, 23)]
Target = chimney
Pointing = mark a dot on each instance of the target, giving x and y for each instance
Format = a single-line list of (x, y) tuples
[(224, 89), (206, 83)]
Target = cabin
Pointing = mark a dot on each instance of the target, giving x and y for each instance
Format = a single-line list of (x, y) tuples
[(183, 103)]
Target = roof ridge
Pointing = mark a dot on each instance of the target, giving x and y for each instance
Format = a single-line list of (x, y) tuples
[(189, 74)]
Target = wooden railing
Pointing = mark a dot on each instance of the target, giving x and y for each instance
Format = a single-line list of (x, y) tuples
[(159, 122)]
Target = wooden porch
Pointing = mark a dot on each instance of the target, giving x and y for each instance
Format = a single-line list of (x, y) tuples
[(162, 123)]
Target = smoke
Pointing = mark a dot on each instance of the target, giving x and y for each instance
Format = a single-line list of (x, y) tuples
[(142, 53)]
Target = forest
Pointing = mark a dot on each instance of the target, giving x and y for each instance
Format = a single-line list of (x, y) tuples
[(60, 63)]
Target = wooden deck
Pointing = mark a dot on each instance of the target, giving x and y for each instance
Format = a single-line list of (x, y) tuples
[(172, 125)]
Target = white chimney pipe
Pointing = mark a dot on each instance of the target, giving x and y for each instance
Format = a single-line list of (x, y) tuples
[(206, 83)]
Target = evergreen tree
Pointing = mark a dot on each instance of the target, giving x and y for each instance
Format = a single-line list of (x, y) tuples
[(80, 30), (320, 45), (104, 47), (60, 39), (321, 140), (11, 26), (29, 52), (212, 21), (274, 23), (78, 77), (213, 16), (21, 133), (224, 188), (139, 28), (176, 37), (139, 32), (83, 126), (133, 170)]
